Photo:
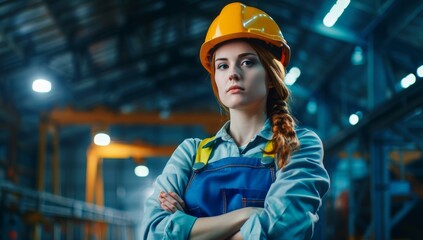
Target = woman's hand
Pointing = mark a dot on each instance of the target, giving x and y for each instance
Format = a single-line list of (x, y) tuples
[(171, 202), (225, 226), (236, 236)]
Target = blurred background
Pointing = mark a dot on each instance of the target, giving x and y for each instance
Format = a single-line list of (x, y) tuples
[(129, 71)]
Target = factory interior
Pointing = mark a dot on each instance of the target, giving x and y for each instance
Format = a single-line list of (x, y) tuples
[(96, 95)]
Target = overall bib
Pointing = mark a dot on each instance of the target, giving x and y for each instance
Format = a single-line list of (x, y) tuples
[(228, 184)]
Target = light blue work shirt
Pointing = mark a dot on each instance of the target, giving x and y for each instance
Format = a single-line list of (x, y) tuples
[(290, 209)]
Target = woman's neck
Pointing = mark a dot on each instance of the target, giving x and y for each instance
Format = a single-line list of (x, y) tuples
[(243, 126)]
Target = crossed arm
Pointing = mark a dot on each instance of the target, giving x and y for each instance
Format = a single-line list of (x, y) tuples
[(225, 226), (290, 207)]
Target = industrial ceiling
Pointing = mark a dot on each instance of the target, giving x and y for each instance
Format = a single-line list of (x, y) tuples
[(137, 56)]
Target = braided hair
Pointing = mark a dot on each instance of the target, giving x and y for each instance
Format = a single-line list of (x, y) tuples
[(284, 138)]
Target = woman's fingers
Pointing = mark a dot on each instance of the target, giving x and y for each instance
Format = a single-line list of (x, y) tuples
[(178, 199), (171, 203), (165, 204), (168, 207)]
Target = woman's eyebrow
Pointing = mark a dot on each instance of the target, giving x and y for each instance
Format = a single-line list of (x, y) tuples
[(239, 56), (246, 54)]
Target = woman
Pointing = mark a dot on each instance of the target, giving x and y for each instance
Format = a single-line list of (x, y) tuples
[(260, 177)]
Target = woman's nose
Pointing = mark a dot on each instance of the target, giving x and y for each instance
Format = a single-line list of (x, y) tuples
[(234, 76)]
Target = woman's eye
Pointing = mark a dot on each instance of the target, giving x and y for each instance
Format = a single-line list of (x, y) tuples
[(222, 66), (247, 63)]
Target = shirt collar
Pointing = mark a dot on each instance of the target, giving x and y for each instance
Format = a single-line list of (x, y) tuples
[(266, 131), (223, 135)]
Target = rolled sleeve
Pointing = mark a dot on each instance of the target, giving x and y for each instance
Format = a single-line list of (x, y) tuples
[(179, 226), (294, 198), (160, 224)]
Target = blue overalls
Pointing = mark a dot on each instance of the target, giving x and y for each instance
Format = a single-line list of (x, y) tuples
[(228, 184)]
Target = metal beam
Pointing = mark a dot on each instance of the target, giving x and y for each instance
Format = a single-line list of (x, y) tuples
[(383, 11), (406, 208), (317, 27), (380, 196), (17, 8), (407, 135), (125, 150), (11, 43), (399, 46), (336, 32), (387, 113), (91, 81), (211, 121), (42, 144), (55, 161), (147, 17), (377, 81), (339, 60), (384, 115), (409, 11), (97, 154), (51, 205)]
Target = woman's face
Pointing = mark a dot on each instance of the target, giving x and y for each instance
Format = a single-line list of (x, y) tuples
[(240, 77)]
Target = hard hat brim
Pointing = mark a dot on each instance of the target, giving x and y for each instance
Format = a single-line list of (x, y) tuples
[(207, 48)]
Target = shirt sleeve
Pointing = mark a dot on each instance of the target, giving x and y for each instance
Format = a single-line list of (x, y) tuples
[(160, 224), (291, 205)]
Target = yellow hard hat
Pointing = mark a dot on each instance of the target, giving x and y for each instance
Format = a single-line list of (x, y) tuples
[(237, 20)]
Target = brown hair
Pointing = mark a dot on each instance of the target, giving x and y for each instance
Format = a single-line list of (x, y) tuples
[(284, 138)]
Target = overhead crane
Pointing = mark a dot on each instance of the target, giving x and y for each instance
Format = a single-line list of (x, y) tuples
[(95, 154), (115, 150), (100, 116)]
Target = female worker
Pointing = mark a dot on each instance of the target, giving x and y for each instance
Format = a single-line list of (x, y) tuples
[(260, 176)]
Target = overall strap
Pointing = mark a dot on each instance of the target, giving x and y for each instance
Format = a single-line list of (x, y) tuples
[(268, 158), (203, 153), (268, 148)]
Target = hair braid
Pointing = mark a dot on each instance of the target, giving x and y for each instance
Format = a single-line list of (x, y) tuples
[(284, 137)]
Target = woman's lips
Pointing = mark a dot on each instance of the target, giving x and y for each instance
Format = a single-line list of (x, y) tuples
[(235, 89)]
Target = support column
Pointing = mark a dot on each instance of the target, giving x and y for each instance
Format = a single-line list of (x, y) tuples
[(381, 204), (378, 87), (91, 194), (91, 177), (41, 155), (11, 167), (351, 197), (99, 185), (55, 162), (99, 199), (36, 229)]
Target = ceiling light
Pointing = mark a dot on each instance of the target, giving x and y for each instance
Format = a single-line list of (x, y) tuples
[(408, 80), (141, 171), (335, 12), (102, 139), (353, 119), (357, 56), (420, 71), (292, 75), (41, 86)]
